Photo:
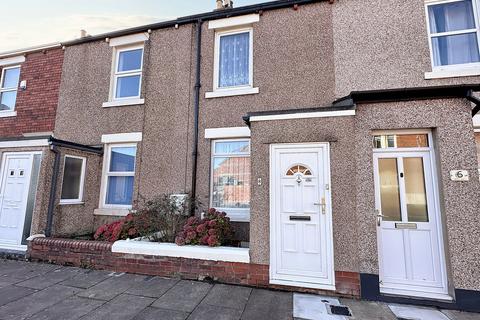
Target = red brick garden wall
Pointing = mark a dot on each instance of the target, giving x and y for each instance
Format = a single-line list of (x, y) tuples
[(98, 255), (37, 105)]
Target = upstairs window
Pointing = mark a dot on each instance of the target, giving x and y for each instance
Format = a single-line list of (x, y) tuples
[(234, 59), (128, 73), (453, 32), (8, 88)]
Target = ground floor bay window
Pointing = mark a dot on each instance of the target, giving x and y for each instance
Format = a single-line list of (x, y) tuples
[(230, 178)]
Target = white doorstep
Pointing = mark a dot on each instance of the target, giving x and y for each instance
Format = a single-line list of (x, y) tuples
[(417, 313)]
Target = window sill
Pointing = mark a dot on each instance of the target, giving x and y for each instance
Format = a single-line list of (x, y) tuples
[(123, 103), (466, 72), (6, 114), (120, 212), (68, 203), (231, 92)]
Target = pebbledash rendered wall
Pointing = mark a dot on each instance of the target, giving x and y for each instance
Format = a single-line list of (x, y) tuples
[(164, 157)]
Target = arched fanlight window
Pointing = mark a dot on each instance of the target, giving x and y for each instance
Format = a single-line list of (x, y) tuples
[(299, 169)]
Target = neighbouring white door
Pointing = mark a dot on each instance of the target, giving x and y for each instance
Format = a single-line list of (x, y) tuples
[(301, 243), (411, 257), (14, 186)]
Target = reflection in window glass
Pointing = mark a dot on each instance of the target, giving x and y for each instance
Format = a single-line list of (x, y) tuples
[(231, 175), (400, 141), (389, 189), (8, 88), (415, 189), (130, 60)]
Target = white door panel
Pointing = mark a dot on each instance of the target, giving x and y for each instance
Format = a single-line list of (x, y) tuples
[(14, 185), (301, 239), (409, 237)]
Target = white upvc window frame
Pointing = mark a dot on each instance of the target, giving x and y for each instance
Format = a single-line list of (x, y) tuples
[(106, 174), (79, 200), (9, 89), (453, 70), (121, 74), (235, 90), (235, 214)]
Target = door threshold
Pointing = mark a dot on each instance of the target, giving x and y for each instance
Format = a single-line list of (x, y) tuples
[(298, 284), (11, 248), (441, 297)]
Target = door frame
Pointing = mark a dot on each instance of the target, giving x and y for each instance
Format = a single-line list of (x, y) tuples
[(5, 155), (436, 205), (273, 217)]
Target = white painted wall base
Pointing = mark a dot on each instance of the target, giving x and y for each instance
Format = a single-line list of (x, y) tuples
[(172, 250)]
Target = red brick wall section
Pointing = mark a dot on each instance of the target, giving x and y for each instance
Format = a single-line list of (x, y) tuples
[(36, 106), (98, 255)]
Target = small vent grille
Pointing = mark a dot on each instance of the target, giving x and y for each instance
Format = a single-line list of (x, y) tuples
[(340, 310)]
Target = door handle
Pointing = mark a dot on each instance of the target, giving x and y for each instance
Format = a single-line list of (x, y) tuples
[(379, 217), (322, 204)]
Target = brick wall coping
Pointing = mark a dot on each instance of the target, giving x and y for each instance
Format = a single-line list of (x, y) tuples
[(228, 254)]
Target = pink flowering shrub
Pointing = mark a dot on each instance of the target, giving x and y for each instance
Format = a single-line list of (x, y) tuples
[(213, 230), (117, 230)]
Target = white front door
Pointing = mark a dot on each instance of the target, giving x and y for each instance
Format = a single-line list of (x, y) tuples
[(301, 244), (14, 186), (411, 257)]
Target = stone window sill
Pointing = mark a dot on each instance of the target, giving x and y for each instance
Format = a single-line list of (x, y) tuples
[(453, 73), (6, 114), (123, 103), (120, 212), (231, 92)]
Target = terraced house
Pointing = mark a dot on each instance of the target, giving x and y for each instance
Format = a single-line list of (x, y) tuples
[(338, 137)]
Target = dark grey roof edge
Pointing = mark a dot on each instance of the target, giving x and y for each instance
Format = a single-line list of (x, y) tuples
[(212, 15), (385, 95)]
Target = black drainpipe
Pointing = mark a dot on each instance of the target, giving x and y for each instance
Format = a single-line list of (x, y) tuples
[(196, 108), (53, 189)]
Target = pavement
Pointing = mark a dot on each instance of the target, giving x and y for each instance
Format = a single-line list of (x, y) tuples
[(44, 291)]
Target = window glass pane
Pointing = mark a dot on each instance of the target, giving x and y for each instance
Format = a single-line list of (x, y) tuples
[(71, 178), (451, 16), (389, 189), (456, 49), (122, 159), (130, 60), (128, 86), (10, 78), (234, 60), (401, 141), (232, 147), (231, 182), (415, 189), (7, 100), (119, 190)]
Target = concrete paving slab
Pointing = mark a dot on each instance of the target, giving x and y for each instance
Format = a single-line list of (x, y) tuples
[(87, 279), (416, 313), (25, 270), (29, 305), (228, 296), (12, 293), (209, 312), (161, 314), (71, 308), (112, 287), (266, 304), (184, 296), (50, 278), (123, 307), (368, 309), (459, 315), (7, 281), (153, 287)]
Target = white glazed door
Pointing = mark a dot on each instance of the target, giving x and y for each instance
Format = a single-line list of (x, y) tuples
[(302, 220), (410, 255), (15, 182)]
